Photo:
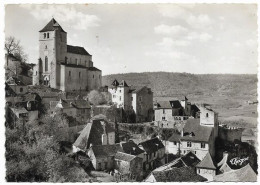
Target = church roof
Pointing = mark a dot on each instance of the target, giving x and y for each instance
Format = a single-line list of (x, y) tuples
[(206, 163), (77, 50), (51, 26), (93, 69)]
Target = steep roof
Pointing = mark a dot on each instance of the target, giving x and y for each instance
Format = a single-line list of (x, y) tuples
[(92, 134), (123, 84), (207, 163), (245, 174), (190, 159), (131, 148), (115, 83), (183, 174), (193, 131), (51, 26), (175, 137), (77, 50), (124, 156), (105, 150), (152, 145)]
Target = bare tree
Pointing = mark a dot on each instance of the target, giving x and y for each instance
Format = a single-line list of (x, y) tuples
[(13, 46)]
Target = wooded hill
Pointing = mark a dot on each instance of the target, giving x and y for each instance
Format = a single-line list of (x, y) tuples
[(165, 84)]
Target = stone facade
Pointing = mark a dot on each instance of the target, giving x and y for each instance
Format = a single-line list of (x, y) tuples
[(140, 99), (63, 66)]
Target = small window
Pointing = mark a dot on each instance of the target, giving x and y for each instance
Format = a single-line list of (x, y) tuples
[(120, 91), (120, 98), (48, 35), (35, 72), (163, 111), (163, 118), (188, 144), (46, 47), (79, 74), (175, 143), (21, 89), (44, 35), (207, 114), (140, 98), (93, 76), (202, 145), (69, 73), (46, 63)]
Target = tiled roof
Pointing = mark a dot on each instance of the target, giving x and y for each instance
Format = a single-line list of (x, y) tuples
[(152, 145), (115, 83), (77, 50), (14, 81), (183, 174), (93, 69), (190, 159), (123, 84), (173, 104), (92, 134), (207, 163), (124, 156), (51, 26), (131, 148), (175, 137), (105, 150), (199, 133), (245, 174)]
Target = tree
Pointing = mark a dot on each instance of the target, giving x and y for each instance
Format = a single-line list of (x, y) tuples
[(13, 46), (96, 98)]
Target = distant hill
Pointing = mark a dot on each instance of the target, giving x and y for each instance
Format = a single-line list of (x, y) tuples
[(165, 84)]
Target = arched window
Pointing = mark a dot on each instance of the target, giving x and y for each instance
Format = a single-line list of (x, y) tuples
[(207, 114), (46, 63), (44, 35), (48, 35)]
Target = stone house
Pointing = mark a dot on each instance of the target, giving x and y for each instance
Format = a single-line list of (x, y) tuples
[(173, 144), (103, 156), (12, 65), (17, 86), (154, 153), (206, 168), (139, 99), (129, 164), (77, 108), (97, 132), (61, 66)]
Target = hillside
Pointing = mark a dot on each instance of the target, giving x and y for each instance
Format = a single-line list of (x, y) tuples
[(166, 84), (226, 93)]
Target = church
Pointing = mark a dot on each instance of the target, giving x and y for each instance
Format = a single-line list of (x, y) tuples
[(61, 66)]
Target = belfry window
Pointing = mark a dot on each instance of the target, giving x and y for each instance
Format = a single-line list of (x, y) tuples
[(46, 63)]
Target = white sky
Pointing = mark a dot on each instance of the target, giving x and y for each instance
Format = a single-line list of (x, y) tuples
[(195, 38)]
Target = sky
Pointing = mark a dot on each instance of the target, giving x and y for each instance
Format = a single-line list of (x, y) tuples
[(191, 38)]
